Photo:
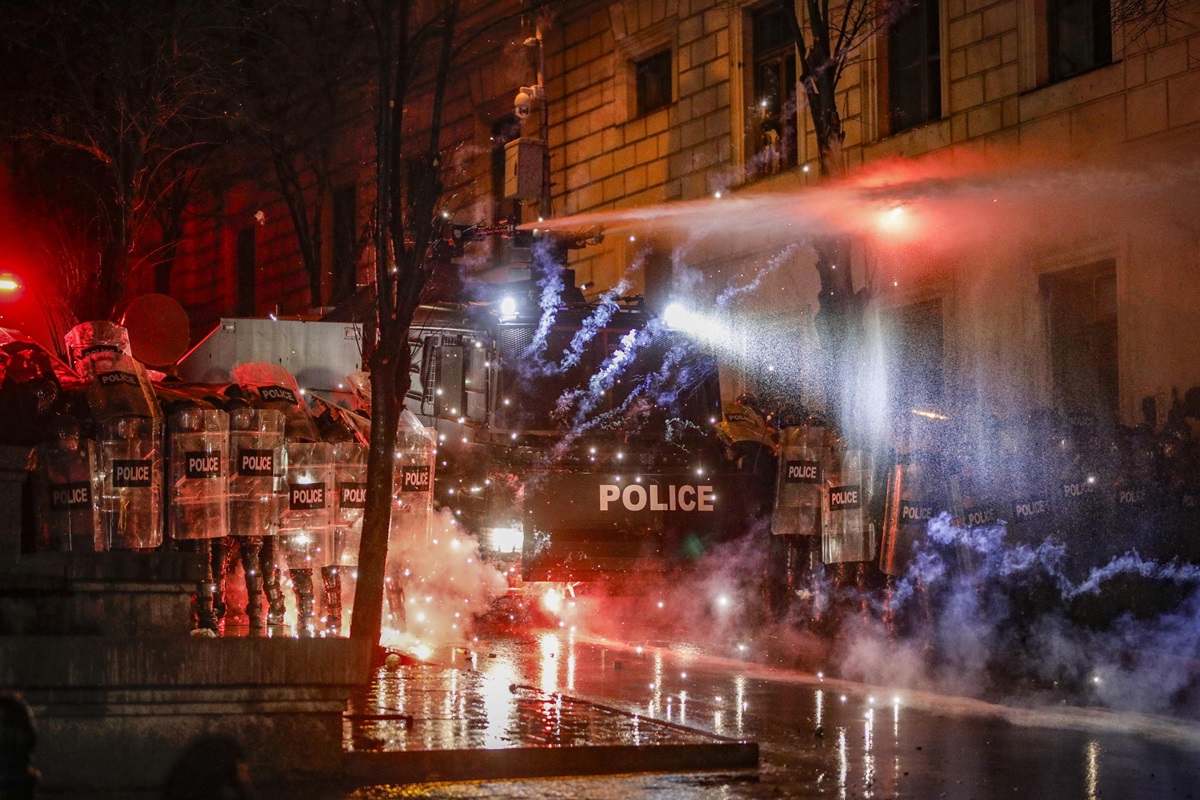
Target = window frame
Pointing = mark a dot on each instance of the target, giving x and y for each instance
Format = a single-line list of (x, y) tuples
[(640, 109), (1033, 47), (935, 104), (633, 47), (1090, 273), (1099, 20), (754, 60)]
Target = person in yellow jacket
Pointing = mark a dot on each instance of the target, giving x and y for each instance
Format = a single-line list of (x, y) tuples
[(748, 435)]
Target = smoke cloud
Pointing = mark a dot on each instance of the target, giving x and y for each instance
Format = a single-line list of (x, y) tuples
[(981, 612), (436, 582)]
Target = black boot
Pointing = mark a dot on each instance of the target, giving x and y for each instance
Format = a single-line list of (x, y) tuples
[(220, 552), (206, 618), (271, 581), (250, 547), (332, 577), (275, 603), (302, 584)]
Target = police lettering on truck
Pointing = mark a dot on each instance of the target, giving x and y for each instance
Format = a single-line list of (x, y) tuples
[(636, 497)]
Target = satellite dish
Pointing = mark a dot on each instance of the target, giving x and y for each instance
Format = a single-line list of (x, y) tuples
[(159, 331)]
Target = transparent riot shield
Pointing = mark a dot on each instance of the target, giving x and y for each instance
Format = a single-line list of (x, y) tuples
[(305, 523), (972, 507), (66, 492), (118, 385), (339, 572), (848, 534), (130, 470), (412, 488), (915, 495), (350, 503), (272, 386), (199, 473), (308, 506), (255, 499), (412, 510), (806, 456), (256, 479), (91, 338)]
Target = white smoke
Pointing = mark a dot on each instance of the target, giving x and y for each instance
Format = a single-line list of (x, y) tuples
[(436, 581)]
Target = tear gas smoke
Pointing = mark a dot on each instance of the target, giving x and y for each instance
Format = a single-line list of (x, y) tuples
[(435, 586), (606, 306), (732, 292), (980, 612), (1015, 624), (535, 361), (550, 299), (1011, 626)]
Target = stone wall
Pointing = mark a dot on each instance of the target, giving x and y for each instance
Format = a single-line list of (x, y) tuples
[(115, 713)]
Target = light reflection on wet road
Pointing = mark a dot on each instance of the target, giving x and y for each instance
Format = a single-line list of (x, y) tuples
[(821, 738)]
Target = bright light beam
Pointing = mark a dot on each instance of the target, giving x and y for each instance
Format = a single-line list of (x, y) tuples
[(701, 327)]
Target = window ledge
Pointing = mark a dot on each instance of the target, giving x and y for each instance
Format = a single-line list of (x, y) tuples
[(913, 141), (1075, 76), (1060, 95)]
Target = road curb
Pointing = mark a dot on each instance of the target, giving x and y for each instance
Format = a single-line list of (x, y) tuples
[(544, 762)]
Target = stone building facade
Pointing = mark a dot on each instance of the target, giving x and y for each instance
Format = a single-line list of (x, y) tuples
[(655, 102)]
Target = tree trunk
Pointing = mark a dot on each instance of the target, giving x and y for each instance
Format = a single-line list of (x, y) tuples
[(367, 622), (839, 314)]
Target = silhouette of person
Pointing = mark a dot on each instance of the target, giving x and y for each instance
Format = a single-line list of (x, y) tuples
[(211, 767), (18, 778)]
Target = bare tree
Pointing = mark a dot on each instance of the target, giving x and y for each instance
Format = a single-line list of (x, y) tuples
[(130, 86), (407, 189), (827, 37), (1139, 17), (825, 42), (418, 43), (300, 57)]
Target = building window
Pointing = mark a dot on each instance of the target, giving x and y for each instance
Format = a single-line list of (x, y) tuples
[(345, 244), (915, 374), (915, 67), (245, 304), (1081, 317), (773, 92), (653, 77), (1078, 36)]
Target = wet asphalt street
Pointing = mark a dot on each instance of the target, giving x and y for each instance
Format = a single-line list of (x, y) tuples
[(818, 737)]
